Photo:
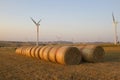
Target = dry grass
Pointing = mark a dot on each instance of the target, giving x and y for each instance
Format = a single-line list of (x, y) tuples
[(16, 67)]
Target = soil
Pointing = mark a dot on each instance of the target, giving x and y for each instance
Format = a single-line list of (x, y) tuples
[(18, 67)]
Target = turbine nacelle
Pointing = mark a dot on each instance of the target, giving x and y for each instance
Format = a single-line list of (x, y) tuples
[(36, 23)]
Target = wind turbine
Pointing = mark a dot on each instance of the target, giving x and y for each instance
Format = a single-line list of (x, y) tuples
[(37, 24), (115, 26)]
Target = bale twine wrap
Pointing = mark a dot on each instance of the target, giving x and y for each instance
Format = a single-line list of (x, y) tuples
[(92, 53), (45, 55), (32, 52), (42, 51), (65, 55), (37, 52)]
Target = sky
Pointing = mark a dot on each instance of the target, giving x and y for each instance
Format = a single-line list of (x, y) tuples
[(67, 20)]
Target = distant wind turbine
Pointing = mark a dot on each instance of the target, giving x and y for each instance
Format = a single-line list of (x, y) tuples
[(115, 26), (37, 24)]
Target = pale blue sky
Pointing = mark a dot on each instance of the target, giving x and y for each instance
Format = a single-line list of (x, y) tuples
[(71, 20)]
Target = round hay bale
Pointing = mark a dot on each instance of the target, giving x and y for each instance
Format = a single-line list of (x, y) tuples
[(68, 55), (33, 51), (42, 51), (28, 50), (92, 53), (45, 54), (23, 50), (18, 50), (37, 52), (52, 53)]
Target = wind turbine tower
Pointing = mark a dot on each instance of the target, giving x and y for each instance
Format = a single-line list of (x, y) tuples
[(37, 24), (115, 32)]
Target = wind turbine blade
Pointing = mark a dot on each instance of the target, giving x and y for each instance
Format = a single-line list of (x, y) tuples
[(113, 18), (33, 21), (39, 21)]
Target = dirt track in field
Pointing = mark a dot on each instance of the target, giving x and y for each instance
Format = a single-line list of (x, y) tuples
[(18, 67)]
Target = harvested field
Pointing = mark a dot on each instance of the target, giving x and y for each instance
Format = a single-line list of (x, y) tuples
[(17, 67), (112, 49)]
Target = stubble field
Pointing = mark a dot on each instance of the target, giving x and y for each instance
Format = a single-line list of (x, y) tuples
[(18, 67)]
